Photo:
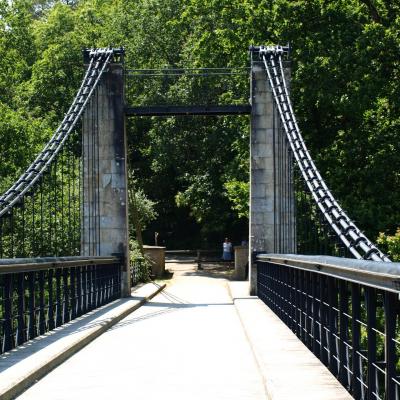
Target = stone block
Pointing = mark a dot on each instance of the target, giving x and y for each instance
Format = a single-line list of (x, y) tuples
[(260, 107), (157, 256), (106, 180), (241, 262), (261, 176), (104, 166), (259, 190), (261, 205), (118, 181), (261, 122)]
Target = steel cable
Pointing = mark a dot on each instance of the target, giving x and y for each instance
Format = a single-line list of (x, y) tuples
[(353, 239), (98, 61)]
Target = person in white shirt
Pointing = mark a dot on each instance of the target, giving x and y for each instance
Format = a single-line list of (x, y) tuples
[(227, 250)]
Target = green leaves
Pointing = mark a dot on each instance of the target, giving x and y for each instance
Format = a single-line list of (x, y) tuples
[(345, 89), (390, 244)]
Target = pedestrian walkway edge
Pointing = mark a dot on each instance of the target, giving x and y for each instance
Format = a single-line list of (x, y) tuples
[(289, 369), (25, 365)]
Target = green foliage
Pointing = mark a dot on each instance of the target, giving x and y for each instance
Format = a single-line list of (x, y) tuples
[(21, 138), (145, 208), (345, 89), (238, 194), (140, 264), (390, 244)]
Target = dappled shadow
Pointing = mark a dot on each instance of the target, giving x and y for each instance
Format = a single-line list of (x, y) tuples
[(86, 321), (166, 309), (213, 270)]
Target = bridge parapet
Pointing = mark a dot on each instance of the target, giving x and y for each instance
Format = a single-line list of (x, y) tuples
[(40, 294), (345, 311)]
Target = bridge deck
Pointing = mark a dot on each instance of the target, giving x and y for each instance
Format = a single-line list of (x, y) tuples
[(187, 343)]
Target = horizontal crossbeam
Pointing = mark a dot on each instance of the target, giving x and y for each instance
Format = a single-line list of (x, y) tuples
[(162, 111)]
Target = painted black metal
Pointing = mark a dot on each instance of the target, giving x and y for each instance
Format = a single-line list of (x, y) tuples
[(371, 306), (350, 326), (381, 275), (353, 239), (99, 60), (40, 213), (390, 303), (164, 111), (36, 301)]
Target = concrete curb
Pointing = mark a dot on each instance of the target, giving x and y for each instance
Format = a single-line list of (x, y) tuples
[(12, 386), (289, 369)]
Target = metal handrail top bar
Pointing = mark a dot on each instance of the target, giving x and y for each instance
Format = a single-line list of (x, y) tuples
[(380, 275), (15, 265)]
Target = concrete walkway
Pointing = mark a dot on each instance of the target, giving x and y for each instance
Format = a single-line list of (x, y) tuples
[(187, 343)]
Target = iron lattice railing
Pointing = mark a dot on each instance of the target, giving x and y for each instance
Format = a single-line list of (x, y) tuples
[(345, 311), (38, 295)]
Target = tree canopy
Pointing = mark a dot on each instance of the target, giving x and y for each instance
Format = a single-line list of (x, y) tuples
[(345, 90)]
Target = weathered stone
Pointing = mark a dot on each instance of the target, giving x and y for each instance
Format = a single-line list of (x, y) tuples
[(105, 175), (271, 224), (157, 259), (241, 262)]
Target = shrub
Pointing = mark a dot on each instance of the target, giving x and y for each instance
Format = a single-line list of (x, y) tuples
[(390, 244), (139, 264)]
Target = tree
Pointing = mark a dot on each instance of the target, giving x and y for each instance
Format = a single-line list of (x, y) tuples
[(141, 210), (345, 90)]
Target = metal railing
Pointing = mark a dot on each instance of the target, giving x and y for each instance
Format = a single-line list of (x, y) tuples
[(38, 295), (345, 311)]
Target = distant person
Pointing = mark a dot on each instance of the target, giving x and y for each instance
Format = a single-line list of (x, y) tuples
[(227, 250)]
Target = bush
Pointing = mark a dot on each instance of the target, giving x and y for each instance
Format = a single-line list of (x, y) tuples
[(139, 264), (390, 244)]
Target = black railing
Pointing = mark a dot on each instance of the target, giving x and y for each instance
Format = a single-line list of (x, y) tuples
[(38, 295), (345, 311)]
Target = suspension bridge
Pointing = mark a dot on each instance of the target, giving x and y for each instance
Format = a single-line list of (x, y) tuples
[(318, 317)]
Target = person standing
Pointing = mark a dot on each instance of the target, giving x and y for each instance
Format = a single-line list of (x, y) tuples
[(227, 250)]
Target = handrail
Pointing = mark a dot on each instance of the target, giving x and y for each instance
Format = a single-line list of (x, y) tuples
[(345, 311), (377, 274), (15, 265)]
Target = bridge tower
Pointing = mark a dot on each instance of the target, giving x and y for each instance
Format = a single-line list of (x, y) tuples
[(104, 163), (272, 207)]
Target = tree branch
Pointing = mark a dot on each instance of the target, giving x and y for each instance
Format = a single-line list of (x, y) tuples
[(373, 11)]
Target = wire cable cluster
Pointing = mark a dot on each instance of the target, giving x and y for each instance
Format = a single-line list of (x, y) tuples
[(98, 59), (353, 239)]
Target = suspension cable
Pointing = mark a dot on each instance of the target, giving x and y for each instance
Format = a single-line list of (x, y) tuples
[(354, 240), (98, 61)]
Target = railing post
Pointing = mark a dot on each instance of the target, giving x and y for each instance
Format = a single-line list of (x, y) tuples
[(271, 225), (104, 163), (390, 346), (370, 299), (356, 338)]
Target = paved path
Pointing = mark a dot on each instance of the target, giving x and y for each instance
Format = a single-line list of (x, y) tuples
[(187, 343)]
